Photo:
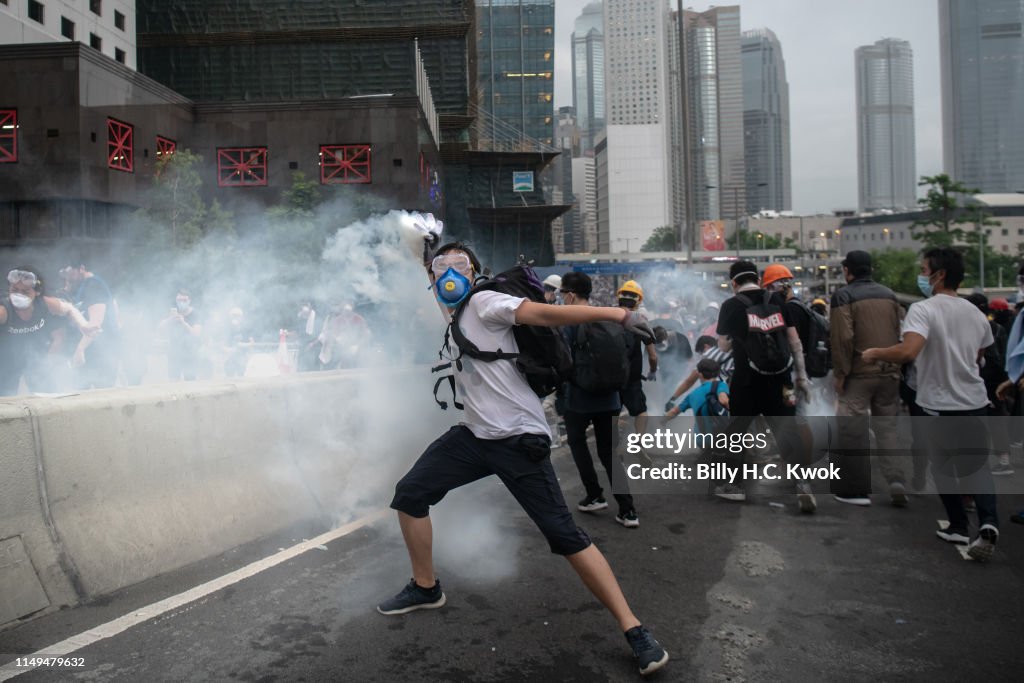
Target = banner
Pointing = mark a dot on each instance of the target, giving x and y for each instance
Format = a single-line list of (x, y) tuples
[(713, 235)]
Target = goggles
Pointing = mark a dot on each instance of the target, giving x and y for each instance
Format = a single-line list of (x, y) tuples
[(23, 276), (460, 263)]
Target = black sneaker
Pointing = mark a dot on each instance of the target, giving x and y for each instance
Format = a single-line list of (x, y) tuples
[(650, 655), (413, 598), (592, 504), (628, 519), (985, 544)]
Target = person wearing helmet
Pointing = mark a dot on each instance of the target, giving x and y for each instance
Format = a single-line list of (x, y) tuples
[(778, 278), (552, 287), (630, 297), (820, 306)]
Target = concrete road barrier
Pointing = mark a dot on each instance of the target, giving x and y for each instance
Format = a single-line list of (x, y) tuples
[(107, 488)]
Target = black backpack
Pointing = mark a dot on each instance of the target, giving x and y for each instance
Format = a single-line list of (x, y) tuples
[(543, 355), (767, 347), (709, 415), (818, 353), (600, 357)]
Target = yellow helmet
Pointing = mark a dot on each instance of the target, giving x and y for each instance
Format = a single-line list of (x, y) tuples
[(631, 287)]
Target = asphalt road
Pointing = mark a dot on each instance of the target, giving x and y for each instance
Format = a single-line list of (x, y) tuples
[(735, 592)]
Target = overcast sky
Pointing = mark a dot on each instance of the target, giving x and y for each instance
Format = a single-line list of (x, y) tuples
[(818, 38)]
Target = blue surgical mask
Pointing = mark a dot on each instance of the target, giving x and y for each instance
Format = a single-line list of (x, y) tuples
[(924, 283), (452, 288)]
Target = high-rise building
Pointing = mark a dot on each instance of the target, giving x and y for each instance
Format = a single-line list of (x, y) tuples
[(515, 65), (108, 27), (584, 183), (714, 120), (886, 166), (560, 174), (632, 162), (765, 123), (588, 96), (982, 51)]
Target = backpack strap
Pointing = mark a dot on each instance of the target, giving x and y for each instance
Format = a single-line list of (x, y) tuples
[(451, 383)]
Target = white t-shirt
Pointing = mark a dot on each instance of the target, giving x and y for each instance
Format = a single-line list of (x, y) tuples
[(499, 402), (947, 367)]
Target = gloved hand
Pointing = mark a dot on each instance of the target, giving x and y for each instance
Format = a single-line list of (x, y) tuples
[(669, 406), (652, 376), (637, 324)]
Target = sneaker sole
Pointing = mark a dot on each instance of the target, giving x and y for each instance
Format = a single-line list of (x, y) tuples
[(806, 502), (735, 497), (592, 508), (628, 524), (654, 666), (1003, 473), (981, 552), (413, 608)]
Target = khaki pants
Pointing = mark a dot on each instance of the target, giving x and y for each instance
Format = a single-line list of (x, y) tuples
[(877, 397)]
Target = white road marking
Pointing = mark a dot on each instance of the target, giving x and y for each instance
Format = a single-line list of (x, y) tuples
[(962, 549), (112, 628)]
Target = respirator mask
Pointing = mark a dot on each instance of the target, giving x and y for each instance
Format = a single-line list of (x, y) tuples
[(452, 278)]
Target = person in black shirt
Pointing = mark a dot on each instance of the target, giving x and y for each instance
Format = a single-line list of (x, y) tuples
[(96, 357), (27, 327), (184, 338), (752, 393)]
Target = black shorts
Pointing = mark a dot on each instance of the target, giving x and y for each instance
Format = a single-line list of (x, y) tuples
[(458, 458), (633, 398)]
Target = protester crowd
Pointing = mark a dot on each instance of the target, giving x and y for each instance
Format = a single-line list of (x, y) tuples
[(79, 335)]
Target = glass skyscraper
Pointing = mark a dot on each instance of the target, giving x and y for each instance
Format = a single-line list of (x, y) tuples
[(886, 166), (588, 73), (982, 50), (765, 123), (515, 67), (714, 122)]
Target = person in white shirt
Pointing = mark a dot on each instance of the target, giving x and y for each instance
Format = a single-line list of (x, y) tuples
[(945, 336), (505, 433)]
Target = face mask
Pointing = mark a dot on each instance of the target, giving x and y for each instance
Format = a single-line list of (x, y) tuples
[(925, 285), (21, 301), (452, 288), (182, 305)]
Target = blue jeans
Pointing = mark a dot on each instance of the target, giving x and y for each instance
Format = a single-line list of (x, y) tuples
[(959, 458)]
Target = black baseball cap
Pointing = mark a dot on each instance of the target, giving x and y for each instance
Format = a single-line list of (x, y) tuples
[(857, 259)]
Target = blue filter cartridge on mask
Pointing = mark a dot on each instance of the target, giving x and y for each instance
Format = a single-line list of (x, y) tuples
[(452, 288)]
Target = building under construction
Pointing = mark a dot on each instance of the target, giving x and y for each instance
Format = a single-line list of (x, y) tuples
[(378, 95), (214, 51)]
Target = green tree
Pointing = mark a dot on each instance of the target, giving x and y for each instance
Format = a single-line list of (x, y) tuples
[(897, 269), (943, 214), (176, 214), (755, 240), (664, 238)]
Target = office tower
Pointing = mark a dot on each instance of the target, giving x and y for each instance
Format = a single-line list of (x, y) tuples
[(632, 161), (560, 175), (982, 52), (886, 168), (765, 123), (714, 120), (108, 27), (515, 67), (588, 73)]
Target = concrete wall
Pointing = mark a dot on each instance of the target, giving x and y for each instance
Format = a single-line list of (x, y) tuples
[(108, 488)]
